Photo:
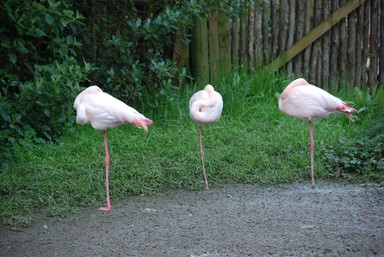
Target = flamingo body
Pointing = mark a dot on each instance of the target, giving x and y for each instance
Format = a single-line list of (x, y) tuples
[(308, 103), (104, 111), (205, 107)]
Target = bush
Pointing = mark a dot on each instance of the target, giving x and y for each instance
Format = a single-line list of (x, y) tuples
[(39, 75)]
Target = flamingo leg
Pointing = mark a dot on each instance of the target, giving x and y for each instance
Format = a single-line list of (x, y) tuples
[(202, 155), (312, 150), (108, 207)]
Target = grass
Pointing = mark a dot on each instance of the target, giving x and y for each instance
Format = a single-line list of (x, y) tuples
[(252, 143)]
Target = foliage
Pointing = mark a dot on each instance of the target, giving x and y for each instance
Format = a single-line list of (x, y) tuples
[(362, 154), (39, 75)]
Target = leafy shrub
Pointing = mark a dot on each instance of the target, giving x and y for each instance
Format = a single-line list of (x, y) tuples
[(356, 156), (39, 75), (362, 155)]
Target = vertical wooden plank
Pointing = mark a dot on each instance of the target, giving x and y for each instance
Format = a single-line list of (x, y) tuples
[(334, 51), (265, 24), (316, 48), (343, 48), (291, 31), (351, 49), (213, 37), (374, 53), (274, 29), (243, 34), (381, 51), (307, 28), (199, 51), (326, 46), (180, 49), (258, 32), (359, 39), (224, 45), (251, 37), (365, 46), (284, 10), (298, 60), (235, 42)]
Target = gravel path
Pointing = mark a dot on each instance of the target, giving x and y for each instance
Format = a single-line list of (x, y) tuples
[(235, 220)]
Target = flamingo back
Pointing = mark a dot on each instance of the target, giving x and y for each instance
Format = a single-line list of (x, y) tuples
[(308, 102), (205, 106), (104, 111)]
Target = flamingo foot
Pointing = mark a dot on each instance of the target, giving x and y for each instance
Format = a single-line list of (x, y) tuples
[(106, 208)]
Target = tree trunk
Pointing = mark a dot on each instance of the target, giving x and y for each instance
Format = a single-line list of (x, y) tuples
[(251, 37), (326, 46), (265, 24), (334, 51), (291, 31), (372, 75), (213, 45), (224, 45), (298, 60), (199, 51)]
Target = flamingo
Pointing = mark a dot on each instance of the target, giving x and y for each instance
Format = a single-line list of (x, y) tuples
[(205, 107), (308, 103), (104, 111)]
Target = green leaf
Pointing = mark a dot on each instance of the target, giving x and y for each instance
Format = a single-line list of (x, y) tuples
[(69, 40), (12, 58), (48, 19)]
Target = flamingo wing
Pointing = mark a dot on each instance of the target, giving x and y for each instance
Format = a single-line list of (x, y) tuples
[(205, 106)]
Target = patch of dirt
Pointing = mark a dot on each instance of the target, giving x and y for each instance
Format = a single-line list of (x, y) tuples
[(236, 220)]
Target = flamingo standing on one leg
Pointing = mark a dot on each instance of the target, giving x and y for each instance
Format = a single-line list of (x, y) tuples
[(205, 107), (103, 111), (307, 102)]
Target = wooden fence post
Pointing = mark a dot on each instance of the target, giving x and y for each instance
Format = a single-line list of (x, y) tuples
[(199, 51), (213, 45), (224, 44)]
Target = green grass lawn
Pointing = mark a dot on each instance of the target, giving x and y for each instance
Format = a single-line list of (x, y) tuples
[(252, 143)]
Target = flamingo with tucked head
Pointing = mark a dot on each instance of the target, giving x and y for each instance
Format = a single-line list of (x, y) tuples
[(104, 111), (308, 103), (205, 107)]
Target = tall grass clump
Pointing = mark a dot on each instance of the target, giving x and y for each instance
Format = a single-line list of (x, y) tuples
[(252, 143)]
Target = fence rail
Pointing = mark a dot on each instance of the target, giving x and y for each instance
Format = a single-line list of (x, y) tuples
[(330, 42)]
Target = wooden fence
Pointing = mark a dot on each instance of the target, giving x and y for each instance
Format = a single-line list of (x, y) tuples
[(329, 42)]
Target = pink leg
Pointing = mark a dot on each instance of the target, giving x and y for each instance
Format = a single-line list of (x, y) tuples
[(312, 152), (108, 207), (202, 156)]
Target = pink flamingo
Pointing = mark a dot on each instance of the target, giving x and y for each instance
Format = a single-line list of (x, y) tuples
[(308, 103), (103, 111), (205, 107)]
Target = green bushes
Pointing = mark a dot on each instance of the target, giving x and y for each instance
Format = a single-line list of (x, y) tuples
[(39, 75)]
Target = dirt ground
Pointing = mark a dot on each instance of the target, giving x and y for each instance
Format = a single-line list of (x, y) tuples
[(235, 220)]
